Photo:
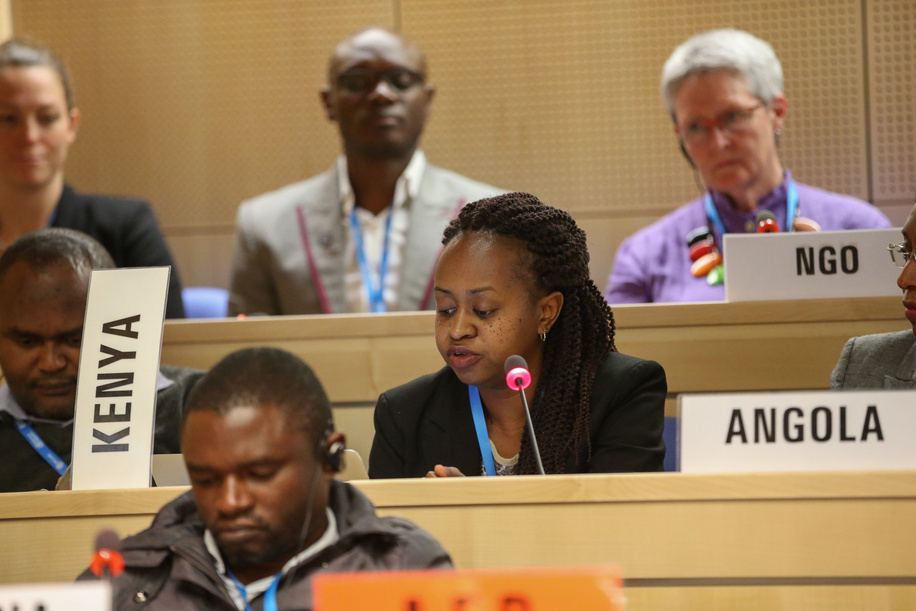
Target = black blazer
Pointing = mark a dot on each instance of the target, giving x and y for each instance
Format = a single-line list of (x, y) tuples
[(428, 421), (128, 230)]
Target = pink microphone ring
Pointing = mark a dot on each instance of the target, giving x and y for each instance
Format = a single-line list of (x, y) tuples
[(519, 376)]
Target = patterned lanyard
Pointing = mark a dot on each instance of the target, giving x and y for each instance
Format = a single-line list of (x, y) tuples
[(480, 424), (376, 291), (41, 447)]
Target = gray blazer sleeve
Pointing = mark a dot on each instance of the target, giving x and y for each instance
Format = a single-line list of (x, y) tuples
[(250, 286), (838, 377)]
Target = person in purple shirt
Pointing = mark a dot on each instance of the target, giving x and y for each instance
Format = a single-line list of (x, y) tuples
[(724, 92)]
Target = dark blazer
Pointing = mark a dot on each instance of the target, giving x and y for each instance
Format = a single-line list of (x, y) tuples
[(882, 360), (128, 230), (428, 421)]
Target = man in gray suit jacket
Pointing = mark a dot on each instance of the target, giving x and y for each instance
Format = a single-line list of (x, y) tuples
[(886, 360), (365, 235)]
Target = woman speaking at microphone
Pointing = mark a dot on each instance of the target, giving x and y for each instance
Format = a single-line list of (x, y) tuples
[(513, 279)]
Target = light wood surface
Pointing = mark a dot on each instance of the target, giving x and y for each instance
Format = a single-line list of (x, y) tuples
[(704, 347), (705, 541)]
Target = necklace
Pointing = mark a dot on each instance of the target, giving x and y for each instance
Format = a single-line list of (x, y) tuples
[(706, 257)]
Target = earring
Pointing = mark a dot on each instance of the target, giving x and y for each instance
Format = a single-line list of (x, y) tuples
[(543, 336)]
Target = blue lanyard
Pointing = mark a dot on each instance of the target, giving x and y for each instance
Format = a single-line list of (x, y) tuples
[(481, 425), (376, 292), (270, 597), (41, 447), (791, 209)]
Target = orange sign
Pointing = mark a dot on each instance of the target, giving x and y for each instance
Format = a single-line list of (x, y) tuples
[(596, 588)]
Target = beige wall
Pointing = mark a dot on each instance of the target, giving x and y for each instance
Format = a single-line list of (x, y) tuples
[(199, 104)]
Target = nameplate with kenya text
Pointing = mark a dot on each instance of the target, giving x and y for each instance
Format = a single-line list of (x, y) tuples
[(810, 265), (797, 431), (116, 390)]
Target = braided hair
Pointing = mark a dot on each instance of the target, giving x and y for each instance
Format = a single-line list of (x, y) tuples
[(583, 334)]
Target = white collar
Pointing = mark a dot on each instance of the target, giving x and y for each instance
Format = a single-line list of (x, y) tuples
[(256, 588), (407, 187)]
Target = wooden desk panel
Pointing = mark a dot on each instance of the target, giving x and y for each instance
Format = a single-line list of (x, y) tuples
[(704, 347), (669, 532)]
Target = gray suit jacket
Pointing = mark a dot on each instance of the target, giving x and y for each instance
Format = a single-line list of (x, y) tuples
[(883, 360), (283, 235)]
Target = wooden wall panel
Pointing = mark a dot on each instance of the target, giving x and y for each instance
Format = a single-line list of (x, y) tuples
[(564, 97), (199, 104), (892, 99)]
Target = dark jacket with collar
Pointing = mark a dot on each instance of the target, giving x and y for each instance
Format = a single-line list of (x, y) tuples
[(882, 360), (168, 566), (128, 230), (23, 469), (428, 421)]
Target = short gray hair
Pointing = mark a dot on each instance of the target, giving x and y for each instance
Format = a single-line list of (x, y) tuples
[(726, 49)]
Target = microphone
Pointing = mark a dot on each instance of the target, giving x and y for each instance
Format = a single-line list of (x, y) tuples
[(519, 378), (766, 222), (107, 561)]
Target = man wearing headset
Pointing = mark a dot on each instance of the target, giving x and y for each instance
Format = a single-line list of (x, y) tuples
[(265, 513)]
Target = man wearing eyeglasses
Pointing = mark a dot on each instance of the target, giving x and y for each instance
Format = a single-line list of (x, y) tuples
[(365, 235), (724, 92)]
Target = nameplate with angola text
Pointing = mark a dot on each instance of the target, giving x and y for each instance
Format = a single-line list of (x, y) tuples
[(797, 431), (116, 389), (810, 265)]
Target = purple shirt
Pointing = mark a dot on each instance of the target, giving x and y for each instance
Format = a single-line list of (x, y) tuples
[(653, 264)]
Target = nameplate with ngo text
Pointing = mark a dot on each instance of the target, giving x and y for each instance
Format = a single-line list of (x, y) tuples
[(86, 596), (810, 265), (797, 431), (597, 588), (116, 389)]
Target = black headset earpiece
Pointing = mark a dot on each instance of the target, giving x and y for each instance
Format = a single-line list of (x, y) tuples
[(335, 456), (680, 144)]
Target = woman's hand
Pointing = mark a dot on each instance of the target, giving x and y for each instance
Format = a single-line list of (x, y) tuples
[(443, 471)]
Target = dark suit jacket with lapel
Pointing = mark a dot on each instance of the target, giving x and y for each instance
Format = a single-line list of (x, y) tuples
[(882, 360), (276, 232), (128, 230), (428, 422)]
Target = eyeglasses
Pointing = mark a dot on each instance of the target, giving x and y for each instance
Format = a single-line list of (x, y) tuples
[(362, 81), (899, 254), (729, 122)]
